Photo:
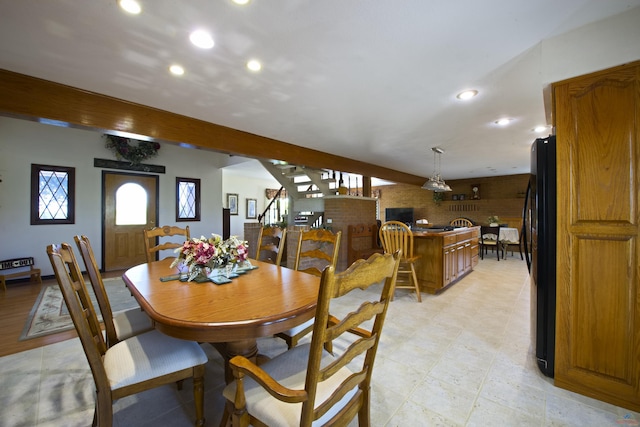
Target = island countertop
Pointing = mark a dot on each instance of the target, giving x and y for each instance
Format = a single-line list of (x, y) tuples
[(445, 256)]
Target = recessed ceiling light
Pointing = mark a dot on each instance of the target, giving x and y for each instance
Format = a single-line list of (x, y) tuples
[(176, 70), (503, 122), (467, 94), (241, 1), (540, 129), (202, 39), (254, 65), (131, 6)]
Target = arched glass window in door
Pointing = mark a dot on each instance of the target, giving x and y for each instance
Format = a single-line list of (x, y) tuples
[(131, 205)]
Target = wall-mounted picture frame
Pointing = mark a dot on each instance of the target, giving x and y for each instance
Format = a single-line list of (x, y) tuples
[(232, 203), (251, 209)]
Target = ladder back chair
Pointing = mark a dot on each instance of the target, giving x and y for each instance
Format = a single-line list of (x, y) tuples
[(139, 363), (326, 381), (490, 238), (152, 236), (271, 242), (118, 326), (317, 250), (395, 236)]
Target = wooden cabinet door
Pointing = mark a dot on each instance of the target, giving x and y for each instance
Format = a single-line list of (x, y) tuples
[(598, 291), (449, 264), (467, 256), (460, 268)]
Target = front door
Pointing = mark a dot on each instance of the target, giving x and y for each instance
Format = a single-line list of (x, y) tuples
[(130, 204)]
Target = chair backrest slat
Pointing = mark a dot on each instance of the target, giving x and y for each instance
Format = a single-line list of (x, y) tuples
[(360, 329), (489, 231), (317, 249), (395, 236), (461, 222), (84, 246), (151, 239), (270, 246)]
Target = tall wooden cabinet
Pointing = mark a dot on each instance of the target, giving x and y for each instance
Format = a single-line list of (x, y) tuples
[(597, 119)]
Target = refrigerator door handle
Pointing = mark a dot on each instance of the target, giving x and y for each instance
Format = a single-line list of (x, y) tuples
[(525, 225)]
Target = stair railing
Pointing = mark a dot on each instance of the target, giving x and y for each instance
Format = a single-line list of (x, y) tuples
[(263, 214)]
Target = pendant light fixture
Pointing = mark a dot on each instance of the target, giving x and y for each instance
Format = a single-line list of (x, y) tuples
[(436, 183)]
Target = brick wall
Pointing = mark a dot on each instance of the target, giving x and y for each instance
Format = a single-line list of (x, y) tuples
[(502, 196), (344, 211)]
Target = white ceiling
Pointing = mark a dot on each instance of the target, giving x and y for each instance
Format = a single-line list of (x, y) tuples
[(371, 80)]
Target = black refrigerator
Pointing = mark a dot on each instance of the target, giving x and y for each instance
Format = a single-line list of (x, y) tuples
[(539, 233)]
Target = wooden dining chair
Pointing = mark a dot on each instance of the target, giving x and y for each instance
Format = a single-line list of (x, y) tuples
[(152, 236), (461, 222), (317, 250), (138, 363), (326, 381), (271, 242), (490, 238), (395, 236), (118, 326)]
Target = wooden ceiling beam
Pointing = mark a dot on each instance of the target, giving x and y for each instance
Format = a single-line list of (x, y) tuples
[(36, 99)]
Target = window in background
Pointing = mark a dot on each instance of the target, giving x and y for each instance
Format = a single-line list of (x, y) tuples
[(131, 204), (52, 195), (187, 199)]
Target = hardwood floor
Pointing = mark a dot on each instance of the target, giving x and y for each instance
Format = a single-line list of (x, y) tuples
[(15, 305)]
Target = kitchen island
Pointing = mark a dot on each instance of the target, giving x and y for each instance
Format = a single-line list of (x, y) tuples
[(445, 256)]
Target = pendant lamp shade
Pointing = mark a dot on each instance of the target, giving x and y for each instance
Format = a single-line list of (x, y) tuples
[(436, 183)]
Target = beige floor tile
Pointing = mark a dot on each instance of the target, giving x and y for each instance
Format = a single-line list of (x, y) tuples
[(449, 401)]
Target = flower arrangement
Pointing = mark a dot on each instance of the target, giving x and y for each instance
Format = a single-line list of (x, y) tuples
[(198, 254), (237, 249), (123, 149), (493, 219)]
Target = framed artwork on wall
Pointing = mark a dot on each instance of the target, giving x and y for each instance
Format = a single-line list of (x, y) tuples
[(232, 203), (251, 209)]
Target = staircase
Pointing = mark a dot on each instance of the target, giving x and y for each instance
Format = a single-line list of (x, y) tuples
[(306, 188)]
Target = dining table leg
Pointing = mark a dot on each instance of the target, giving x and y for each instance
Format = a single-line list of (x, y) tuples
[(247, 348)]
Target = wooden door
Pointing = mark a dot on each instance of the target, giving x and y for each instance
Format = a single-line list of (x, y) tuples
[(598, 289), (125, 218)]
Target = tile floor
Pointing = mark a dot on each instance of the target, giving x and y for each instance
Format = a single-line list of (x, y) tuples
[(462, 358)]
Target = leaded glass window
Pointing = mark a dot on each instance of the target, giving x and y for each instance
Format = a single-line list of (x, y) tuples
[(52, 195), (187, 199)]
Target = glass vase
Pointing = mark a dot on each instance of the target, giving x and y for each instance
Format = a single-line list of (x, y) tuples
[(199, 273)]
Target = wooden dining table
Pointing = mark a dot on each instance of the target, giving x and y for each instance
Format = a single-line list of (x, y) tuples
[(259, 303)]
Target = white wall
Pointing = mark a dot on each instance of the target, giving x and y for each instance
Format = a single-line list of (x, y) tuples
[(247, 187), (23, 143), (613, 41)]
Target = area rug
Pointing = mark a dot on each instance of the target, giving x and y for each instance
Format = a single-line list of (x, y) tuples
[(49, 314)]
